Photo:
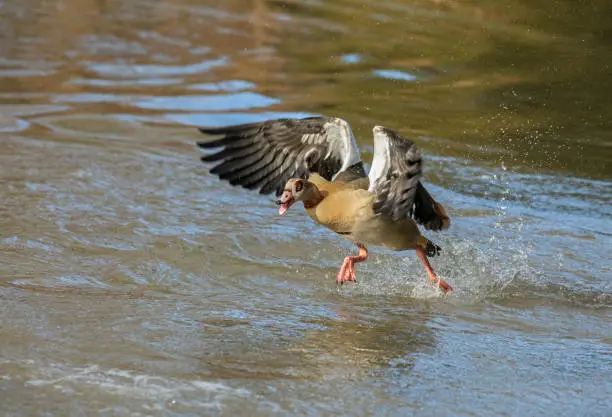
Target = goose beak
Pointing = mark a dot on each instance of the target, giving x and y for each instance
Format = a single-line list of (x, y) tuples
[(285, 201)]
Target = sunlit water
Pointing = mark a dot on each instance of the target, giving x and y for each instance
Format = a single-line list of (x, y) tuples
[(134, 283)]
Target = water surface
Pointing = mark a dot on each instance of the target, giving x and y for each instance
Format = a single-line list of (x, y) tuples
[(134, 283)]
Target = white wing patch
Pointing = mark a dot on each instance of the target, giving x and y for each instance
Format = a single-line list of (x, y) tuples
[(381, 160), (343, 143)]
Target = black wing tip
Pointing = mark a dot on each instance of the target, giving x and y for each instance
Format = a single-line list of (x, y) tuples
[(220, 130), (434, 225), (212, 144), (211, 131), (428, 212), (224, 130), (204, 145), (209, 158), (228, 129)]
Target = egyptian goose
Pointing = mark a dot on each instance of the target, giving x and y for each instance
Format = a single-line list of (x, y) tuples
[(315, 160)]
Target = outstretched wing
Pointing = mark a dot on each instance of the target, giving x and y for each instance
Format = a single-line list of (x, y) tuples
[(265, 155), (395, 180), (395, 173)]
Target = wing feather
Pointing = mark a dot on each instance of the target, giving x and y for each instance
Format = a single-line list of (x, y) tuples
[(429, 212), (395, 179), (395, 174), (265, 155)]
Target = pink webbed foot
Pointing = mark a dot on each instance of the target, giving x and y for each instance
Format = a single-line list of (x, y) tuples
[(433, 277), (347, 270)]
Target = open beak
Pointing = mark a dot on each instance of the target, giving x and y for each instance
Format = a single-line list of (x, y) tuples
[(285, 201)]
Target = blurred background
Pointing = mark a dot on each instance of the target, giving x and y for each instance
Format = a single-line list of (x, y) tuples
[(134, 283)]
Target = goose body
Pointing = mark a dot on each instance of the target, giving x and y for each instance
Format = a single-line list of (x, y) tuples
[(316, 160), (348, 210)]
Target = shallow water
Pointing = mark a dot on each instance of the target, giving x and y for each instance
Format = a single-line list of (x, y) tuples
[(134, 283)]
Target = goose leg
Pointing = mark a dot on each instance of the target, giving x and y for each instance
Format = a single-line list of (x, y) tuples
[(347, 270), (432, 275)]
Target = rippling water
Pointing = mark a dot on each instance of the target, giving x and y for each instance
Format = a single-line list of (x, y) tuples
[(134, 283)]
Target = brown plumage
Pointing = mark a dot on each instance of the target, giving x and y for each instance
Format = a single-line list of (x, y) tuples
[(316, 161)]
